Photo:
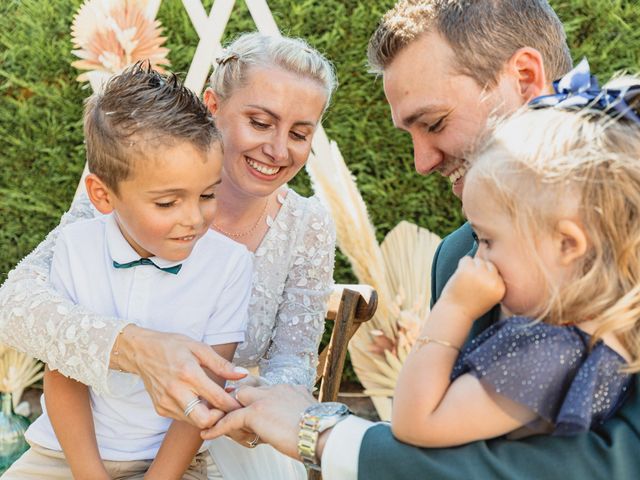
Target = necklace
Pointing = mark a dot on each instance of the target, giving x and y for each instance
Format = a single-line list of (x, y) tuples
[(246, 232)]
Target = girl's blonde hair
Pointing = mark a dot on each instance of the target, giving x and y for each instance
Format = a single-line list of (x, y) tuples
[(544, 165), (259, 50)]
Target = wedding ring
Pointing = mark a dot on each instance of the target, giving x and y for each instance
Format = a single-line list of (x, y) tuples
[(191, 405), (253, 443)]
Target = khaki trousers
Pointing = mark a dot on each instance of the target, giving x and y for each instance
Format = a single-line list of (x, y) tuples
[(41, 463)]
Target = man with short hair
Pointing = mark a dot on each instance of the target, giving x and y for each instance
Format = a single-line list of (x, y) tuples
[(447, 65)]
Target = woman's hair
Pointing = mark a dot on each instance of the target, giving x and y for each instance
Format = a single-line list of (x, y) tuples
[(544, 165), (259, 50)]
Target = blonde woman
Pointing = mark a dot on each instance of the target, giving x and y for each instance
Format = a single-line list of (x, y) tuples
[(268, 95)]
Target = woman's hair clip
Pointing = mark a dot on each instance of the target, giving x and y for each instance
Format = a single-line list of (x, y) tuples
[(226, 58), (579, 89)]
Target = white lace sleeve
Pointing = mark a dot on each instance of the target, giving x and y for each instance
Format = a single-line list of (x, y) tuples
[(293, 354), (36, 319)]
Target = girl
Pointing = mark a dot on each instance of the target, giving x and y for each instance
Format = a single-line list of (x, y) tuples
[(554, 200)]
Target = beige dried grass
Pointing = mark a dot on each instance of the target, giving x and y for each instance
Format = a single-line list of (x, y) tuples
[(17, 372)]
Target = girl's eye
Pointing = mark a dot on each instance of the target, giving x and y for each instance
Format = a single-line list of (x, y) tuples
[(479, 241), (208, 196), (165, 204), (259, 125)]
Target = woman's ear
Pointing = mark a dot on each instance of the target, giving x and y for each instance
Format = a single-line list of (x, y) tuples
[(99, 194), (527, 66), (572, 241), (211, 100)]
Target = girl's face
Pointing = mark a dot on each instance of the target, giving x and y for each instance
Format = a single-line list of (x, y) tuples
[(267, 126), (527, 287)]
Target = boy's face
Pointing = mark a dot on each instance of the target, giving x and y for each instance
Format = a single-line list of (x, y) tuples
[(168, 202)]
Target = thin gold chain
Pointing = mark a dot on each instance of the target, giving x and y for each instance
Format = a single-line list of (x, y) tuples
[(245, 233)]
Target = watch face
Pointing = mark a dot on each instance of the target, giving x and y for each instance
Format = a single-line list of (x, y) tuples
[(328, 409)]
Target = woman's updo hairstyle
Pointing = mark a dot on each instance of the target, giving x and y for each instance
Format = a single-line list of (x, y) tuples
[(259, 50)]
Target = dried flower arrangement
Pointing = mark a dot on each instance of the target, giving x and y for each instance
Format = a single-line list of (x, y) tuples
[(399, 270), (17, 372), (109, 35)]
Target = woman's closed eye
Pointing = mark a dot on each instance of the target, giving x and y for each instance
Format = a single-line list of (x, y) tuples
[(259, 125), (298, 135)]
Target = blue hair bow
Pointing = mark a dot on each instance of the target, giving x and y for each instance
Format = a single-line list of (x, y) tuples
[(579, 89)]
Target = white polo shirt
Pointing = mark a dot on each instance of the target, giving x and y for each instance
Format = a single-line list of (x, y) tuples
[(207, 300)]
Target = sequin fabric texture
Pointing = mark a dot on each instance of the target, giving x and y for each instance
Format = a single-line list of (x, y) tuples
[(292, 281), (549, 369)]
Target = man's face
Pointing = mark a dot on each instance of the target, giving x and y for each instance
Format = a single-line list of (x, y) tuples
[(443, 111)]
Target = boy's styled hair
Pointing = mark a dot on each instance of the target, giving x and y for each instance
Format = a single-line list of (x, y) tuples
[(483, 34), (259, 50), (543, 165), (137, 111)]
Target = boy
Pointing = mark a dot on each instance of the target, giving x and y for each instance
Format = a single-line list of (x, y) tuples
[(155, 159)]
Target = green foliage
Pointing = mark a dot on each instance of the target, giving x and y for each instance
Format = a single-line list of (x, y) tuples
[(41, 152)]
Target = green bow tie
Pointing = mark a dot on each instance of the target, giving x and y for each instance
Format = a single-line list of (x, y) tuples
[(145, 261)]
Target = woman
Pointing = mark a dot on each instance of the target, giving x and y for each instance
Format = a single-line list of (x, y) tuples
[(268, 95)]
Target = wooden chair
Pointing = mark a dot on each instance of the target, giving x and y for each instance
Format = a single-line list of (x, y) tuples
[(349, 306)]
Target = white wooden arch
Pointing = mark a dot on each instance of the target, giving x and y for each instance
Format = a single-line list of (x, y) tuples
[(210, 29)]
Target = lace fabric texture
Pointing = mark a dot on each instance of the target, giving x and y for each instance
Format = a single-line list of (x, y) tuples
[(292, 282)]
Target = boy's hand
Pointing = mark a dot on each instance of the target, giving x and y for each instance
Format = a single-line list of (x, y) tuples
[(475, 287)]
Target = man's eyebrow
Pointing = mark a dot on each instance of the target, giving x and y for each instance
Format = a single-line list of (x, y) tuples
[(277, 117), (428, 110), (178, 190)]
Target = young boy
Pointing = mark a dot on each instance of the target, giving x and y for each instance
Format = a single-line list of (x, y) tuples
[(155, 159)]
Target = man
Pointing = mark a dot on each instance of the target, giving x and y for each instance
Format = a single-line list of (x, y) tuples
[(447, 65)]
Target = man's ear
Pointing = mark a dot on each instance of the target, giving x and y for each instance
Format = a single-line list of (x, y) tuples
[(572, 241), (527, 66), (100, 195), (211, 100)]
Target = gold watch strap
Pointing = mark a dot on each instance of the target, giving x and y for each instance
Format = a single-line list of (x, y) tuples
[(308, 441)]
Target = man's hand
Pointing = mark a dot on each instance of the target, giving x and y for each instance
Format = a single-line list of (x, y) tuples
[(272, 412), (172, 369), (474, 288)]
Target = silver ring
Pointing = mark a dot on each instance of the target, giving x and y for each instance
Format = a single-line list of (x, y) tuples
[(191, 405), (253, 443)]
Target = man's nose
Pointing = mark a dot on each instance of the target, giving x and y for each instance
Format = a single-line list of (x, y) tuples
[(426, 156)]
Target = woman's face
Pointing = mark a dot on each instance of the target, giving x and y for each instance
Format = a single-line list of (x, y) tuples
[(267, 126)]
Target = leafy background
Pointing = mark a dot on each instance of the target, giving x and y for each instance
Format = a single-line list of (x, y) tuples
[(41, 150)]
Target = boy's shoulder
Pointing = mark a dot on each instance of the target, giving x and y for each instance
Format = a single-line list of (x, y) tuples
[(85, 230), (214, 245)]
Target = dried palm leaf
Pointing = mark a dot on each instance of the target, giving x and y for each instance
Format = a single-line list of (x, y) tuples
[(17, 372), (109, 35)]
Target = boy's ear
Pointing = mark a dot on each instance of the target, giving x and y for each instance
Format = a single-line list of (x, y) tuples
[(99, 194), (572, 241), (211, 100), (527, 66)]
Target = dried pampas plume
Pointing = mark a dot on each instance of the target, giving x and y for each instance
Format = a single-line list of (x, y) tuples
[(109, 35), (398, 270)]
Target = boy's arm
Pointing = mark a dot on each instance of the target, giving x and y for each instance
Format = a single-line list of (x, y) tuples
[(429, 410), (69, 410), (182, 441)]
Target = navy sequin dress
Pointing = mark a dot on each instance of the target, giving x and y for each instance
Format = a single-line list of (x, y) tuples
[(550, 370)]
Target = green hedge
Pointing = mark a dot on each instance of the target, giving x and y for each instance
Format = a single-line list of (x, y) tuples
[(41, 153)]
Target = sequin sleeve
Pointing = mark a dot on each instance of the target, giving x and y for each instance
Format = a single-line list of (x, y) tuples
[(38, 320), (293, 354)]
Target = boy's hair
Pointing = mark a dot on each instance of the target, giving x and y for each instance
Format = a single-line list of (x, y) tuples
[(540, 166), (483, 34), (137, 111), (259, 50)]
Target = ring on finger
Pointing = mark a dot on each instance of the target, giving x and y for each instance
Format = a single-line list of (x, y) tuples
[(253, 443), (191, 405)]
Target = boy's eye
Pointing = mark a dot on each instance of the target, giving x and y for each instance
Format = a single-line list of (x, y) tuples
[(208, 196), (165, 204)]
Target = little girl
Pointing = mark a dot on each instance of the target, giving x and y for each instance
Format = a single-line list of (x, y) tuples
[(554, 200)]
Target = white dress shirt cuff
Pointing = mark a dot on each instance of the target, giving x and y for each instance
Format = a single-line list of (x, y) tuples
[(342, 450)]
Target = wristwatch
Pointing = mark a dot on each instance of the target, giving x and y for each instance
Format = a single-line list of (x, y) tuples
[(315, 420)]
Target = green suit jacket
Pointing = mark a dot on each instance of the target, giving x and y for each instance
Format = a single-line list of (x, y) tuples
[(611, 452)]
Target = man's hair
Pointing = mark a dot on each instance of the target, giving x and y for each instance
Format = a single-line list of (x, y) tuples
[(137, 111), (540, 166), (483, 34)]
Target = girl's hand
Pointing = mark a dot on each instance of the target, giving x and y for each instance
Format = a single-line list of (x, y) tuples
[(172, 369), (475, 287)]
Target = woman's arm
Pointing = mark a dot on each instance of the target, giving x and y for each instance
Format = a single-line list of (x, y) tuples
[(293, 354)]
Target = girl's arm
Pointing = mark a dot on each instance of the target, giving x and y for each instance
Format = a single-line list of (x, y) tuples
[(69, 410), (428, 409), (182, 441), (293, 354)]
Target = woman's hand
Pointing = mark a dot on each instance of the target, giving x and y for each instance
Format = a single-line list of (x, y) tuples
[(474, 288), (172, 369)]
